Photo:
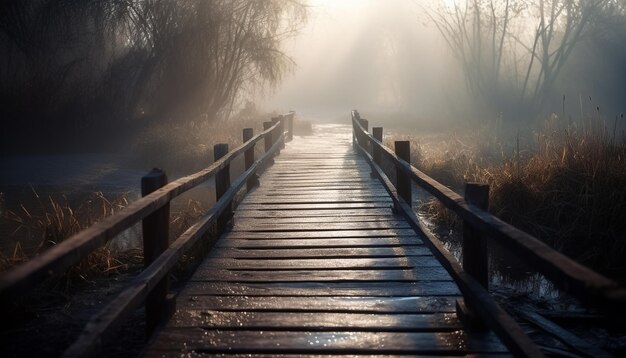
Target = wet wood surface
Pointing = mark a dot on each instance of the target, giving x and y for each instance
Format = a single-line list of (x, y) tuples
[(316, 263)]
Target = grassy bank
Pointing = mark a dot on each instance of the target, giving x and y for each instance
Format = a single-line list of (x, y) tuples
[(565, 183)]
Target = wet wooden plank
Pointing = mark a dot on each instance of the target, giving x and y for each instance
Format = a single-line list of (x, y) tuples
[(202, 340), (305, 235), (240, 214), (365, 225), (316, 321), (321, 185), (408, 275), (346, 304), (317, 219), (176, 354), (339, 242), (306, 206), (314, 193), (273, 252), (320, 263), (314, 198), (320, 200), (318, 289)]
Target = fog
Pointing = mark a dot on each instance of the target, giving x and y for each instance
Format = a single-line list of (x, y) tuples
[(371, 55), (390, 59)]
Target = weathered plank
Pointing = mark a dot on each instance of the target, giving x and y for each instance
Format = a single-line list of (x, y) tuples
[(316, 321), (415, 304), (320, 263), (299, 235), (338, 242), (240, 214), (319, 289), (217, 341), (341, 226), (307, 206), (317, 219), (319, 200), (274, 252), (408, 275)]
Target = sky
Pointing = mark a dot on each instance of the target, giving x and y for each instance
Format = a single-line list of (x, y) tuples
[(365, 54)]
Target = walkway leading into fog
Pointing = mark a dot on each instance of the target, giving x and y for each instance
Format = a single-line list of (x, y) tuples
[(317, 263)]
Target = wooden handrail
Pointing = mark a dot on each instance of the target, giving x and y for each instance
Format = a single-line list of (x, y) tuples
[(579, 281), (72, 250), (138, 289), (496, 318)]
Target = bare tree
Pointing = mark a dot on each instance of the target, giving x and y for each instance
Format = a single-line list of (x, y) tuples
[(514, 46)]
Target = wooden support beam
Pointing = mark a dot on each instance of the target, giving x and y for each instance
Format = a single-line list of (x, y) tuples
[(222, 183), (475, 255), (269, 140), (248, 133), (290, 126), (377, 133), (155, 241), (403, 180)]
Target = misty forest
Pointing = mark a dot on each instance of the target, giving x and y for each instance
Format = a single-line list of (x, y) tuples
[(508, 114)]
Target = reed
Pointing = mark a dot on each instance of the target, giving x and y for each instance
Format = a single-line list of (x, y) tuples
[(567, 185)]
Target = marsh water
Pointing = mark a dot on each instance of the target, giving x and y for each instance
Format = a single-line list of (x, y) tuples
[(31, 183)]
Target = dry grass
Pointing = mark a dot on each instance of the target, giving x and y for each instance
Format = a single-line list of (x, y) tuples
[(568, 187), (53, 220)]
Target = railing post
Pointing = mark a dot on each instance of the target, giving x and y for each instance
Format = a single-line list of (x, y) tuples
[(364, 140), (281, 130), (377, 133), (248, 133), (356, 117), (278, 130), (268, 140), (403, 180), (290, 126), (155, 241), (475, 256), (222, 184)]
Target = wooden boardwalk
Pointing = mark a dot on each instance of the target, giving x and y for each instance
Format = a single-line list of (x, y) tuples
[(317, 263)]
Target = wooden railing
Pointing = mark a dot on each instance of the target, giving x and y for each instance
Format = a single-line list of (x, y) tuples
[(151, 285), (591, 288)]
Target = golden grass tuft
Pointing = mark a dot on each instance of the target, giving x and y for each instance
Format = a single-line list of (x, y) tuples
[(55, 220)]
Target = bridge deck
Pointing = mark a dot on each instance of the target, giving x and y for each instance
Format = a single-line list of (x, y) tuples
[(317, 263)]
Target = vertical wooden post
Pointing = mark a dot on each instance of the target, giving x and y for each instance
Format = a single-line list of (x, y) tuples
[(475, 256), (403, 180), (364, 140), (248, 133), (281, 129), (268, 140), (268, 137), (278, 130), (377, 133), (290, 126), (356, 117), (156, 240), (222, 184)]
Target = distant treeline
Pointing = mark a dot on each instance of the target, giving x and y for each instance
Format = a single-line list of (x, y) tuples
[(101, 69)]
